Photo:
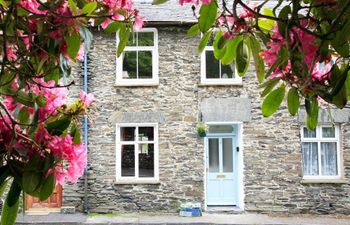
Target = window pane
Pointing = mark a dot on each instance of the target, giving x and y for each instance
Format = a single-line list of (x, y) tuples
[(329, 166), (127, 133), (128, 160), (220, 129), (146, 133), (145, 64), (309, 133), (227, 71), (310, 158), (145, 39), (146, 160), (214, 155), (141, 39), (212, 65), (328, 132), (130, 65), (227, 154)]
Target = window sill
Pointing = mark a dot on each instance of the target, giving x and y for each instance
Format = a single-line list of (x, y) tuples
[(137, 182), (324, 181), (153, 84), (204, 84)]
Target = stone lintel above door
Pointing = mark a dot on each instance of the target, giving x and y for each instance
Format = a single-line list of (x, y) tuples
[(226, 109)]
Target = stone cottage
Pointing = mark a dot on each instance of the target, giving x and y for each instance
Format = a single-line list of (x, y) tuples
[(144, 151)]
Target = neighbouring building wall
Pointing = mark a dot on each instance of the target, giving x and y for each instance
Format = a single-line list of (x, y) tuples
[(271, 146)]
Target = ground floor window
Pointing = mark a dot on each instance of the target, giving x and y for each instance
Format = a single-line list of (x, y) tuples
[(137, 152), (320, 151)]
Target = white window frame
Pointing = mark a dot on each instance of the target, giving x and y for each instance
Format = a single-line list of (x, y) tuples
[(216, 81), (319, 139), (120, 81), (136, 142)]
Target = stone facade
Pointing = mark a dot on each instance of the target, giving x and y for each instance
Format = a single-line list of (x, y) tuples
[(271, 146)]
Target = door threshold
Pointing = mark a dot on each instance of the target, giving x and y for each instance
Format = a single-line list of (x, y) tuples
[(42, 211), (224, 209)]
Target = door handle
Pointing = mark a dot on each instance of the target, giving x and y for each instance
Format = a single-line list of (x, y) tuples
[(237, 149)]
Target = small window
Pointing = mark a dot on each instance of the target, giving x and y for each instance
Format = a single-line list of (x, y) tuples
[(214, 72), (320, 151), (137, 152), (138, 64)]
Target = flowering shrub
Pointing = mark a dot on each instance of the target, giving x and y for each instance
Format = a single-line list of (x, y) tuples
[(299, 47), (40, 142)]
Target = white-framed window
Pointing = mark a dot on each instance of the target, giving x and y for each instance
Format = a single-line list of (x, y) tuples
[(138, 64), (213, 72), (321, 152), (137, 153)]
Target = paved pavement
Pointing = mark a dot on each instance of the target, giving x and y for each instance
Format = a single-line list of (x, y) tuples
[(172, 219)]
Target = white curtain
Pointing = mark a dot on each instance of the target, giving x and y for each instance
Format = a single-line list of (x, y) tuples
[(310, 158), (329, 159)]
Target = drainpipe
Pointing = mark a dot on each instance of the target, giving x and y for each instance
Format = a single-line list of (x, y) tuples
[(86, 210)]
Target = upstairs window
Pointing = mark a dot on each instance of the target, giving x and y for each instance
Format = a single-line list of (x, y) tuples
[(138, 64), (214, 72), (321, 154), (137, 153)]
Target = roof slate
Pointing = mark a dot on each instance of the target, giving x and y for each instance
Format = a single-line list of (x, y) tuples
[(172, 11)]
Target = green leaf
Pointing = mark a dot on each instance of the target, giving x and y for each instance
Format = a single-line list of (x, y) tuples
[(312, 114), (269, 85), (73, 6), (41, 101), (273, 101), (347, 85), (207, 16), (47, 187), (53, 75), (293, 101), (20, 96), (204, 41), (75, 134), (242, 58), (219, 44), (89, 8), (73, 45), (59, 126), (124, 34), (3, 187), (194, 30), (112, 27), (230, 53), (258, 61), (11, 205), (23, 115), (31, 181), (158, 2), (283, 15)]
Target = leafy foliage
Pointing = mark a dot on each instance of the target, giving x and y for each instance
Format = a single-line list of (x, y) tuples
[(303, 44)]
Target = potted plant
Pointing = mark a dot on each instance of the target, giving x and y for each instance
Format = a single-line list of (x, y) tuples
[(202, 129)]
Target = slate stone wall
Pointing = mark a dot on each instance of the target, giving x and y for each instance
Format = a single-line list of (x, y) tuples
[(271, 146)]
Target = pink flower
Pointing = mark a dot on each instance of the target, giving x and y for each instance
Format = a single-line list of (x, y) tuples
[(138, 23), (206, 2), (87, 99)]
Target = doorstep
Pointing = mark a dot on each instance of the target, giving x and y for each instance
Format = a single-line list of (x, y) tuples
[(224, 210)]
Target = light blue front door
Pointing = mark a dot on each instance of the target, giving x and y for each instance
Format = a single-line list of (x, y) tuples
[(221, 170)]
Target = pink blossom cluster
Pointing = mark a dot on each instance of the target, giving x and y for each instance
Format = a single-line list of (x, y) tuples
[(63, 22), (71, 158), (306, 46), (126, 6)]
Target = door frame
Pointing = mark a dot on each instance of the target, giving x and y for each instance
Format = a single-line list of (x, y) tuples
[(240, 166)]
